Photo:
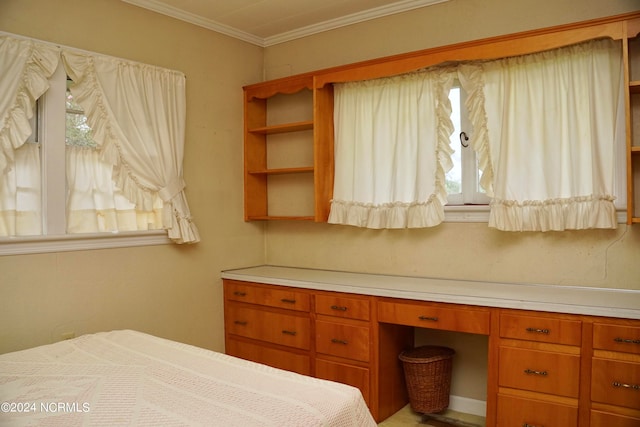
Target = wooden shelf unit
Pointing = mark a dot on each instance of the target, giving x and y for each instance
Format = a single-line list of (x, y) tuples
[(631, 46), (257, 135), (320, 83)]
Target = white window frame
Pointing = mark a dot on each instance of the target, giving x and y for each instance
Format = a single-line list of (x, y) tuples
[(51, 134)]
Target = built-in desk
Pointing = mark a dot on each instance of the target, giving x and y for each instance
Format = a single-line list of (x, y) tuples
[(562, 355)]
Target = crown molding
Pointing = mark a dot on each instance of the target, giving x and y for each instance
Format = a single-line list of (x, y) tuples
[(367, 15), (378, 12), (198, 20)]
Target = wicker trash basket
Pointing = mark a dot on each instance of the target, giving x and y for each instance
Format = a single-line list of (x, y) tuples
[(427, 372)]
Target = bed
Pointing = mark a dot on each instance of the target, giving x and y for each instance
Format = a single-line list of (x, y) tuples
[(129, 378)]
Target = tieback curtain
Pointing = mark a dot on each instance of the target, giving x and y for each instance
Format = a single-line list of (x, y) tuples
[(25, 68), (137, 114)]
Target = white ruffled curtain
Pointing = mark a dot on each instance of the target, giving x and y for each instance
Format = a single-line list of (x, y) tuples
[(95, 204), (392, 150), (546, 127), (137, 114), (25, 68)]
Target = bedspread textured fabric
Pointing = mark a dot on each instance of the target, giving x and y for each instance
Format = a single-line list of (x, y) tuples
[(130, 378)]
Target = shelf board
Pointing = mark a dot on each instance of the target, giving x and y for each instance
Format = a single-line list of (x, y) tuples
[(281, 171), (634, 86), (283, 128), (280, 218), (635, 149), (635, 220)]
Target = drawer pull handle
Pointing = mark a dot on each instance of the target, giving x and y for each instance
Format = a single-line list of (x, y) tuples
[(292, 333), (288, 301), (431, 319), (623, 385), (534, 372), (240, 294), (626, 341), (530, 425), (337, 341), (538, 330), (338, 307), (240, 322)]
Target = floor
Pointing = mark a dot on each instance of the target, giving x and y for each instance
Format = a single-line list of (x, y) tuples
[(407, 418)]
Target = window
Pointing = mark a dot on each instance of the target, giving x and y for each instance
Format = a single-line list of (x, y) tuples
[(64, 186), (463, 180), (550, 146), (60, 134)]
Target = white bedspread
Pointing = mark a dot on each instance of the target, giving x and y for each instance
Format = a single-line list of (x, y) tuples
[(127, 378)]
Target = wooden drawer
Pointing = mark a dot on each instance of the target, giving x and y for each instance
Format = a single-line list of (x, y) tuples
[(615, 382), (281, 359), (434, 316), (616, 338), (541, 329), (283, 329), (272, 296), (541, 371), (515, 411), (347, 374), (607, 419), (340, 306), (348, 341)]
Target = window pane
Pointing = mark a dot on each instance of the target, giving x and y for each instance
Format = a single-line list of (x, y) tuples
[(78, 132), (454, 176)]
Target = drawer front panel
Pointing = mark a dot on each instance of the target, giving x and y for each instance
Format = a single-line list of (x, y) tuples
[(545, 372), (351, 342), (287, 360), (339, 306), (272, 296), (616, 338), (615, 382), (541, 329), (283, 329), (352, 375), (606, 419), (435, 316), (514, 411)]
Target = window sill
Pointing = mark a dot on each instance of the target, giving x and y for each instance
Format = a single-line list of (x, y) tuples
[(480, 213), (466, 213), (80, 242)]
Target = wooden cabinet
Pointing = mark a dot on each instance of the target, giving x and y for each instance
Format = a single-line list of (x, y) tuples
[(344, 340), (288, 150), (435, 316), (516, 411), (545, 369), (632, 78), (539, 366), (270, 325), (615, 374), (323, 334)]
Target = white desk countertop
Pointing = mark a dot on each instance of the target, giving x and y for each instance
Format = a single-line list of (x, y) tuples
[(620, 303)]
